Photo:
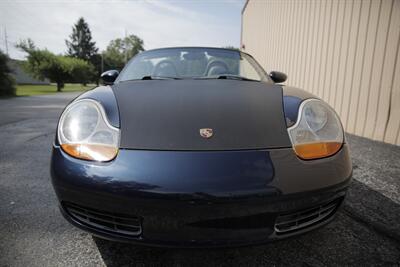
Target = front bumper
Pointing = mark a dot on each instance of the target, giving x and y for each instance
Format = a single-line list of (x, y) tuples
[(184, 199)]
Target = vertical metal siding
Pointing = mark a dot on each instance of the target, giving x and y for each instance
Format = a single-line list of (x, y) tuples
[(344, 51)]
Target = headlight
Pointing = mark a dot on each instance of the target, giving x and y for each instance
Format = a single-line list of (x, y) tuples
[(318, 132), (85, 133)]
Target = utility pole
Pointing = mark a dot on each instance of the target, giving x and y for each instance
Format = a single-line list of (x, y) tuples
[(126, 47), (5, 39)]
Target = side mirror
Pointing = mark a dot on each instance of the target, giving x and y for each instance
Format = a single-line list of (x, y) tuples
[(277, 76), (109, 77)]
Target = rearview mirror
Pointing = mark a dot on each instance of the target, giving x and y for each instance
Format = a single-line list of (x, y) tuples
[(277, 76), (109, 77)]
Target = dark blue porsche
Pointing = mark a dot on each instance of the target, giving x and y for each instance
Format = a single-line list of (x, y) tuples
[(195, 147)]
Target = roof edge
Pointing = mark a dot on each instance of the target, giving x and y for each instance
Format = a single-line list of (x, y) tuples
[(245, 5)]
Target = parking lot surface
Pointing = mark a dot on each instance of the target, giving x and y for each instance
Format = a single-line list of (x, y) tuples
[(33, 232)]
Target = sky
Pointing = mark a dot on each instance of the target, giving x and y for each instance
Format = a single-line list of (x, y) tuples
[(159, 23)]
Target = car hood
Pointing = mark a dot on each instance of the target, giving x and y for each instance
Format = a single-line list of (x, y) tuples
[(168, 114)]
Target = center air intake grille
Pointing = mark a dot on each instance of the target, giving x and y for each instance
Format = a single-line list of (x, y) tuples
[(291, 222), (117, 224)]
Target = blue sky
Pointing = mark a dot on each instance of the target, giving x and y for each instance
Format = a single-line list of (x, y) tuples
[(158, 23)]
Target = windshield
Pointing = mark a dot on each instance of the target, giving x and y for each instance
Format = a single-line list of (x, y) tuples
[(192, 63)]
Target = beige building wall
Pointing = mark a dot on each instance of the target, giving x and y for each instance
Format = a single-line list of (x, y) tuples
[(343, 51)]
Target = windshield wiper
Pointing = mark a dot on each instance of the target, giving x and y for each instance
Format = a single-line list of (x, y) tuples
[(228, 77), (150, 77), (234, 77)]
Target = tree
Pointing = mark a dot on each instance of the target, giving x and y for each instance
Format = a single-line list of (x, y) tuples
[(80, 71), (81, 44), (97, 62), (121, 50), (59, 69), (7, 83)]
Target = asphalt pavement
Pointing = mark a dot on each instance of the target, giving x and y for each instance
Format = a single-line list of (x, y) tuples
[(33, 232)]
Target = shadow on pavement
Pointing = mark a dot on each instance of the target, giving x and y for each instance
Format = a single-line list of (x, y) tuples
[(366, 231)]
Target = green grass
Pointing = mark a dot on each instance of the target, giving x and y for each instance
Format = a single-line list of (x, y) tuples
[(27, 90)]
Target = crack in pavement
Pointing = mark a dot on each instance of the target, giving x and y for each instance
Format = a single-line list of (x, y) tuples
[(13, 122), (374, 226), (40, 135)]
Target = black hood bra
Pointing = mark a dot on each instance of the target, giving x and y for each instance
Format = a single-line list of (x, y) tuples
[(168, 115)]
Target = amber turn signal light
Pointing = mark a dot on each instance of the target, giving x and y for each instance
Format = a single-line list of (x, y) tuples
[(90, 151), (317, 150)]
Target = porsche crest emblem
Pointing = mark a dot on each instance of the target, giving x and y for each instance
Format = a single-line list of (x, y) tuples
[(206, 132)]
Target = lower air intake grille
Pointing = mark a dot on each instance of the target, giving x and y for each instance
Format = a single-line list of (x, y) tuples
[(291, 222), (118, 224)]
